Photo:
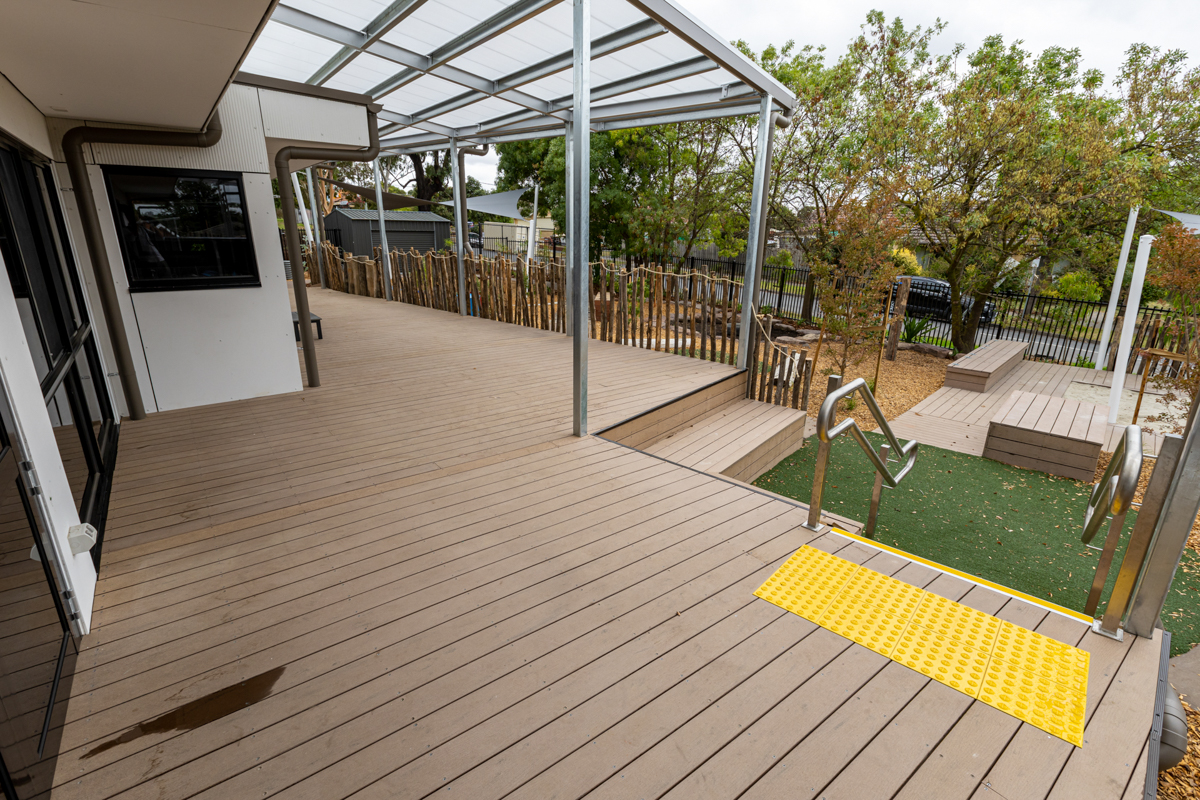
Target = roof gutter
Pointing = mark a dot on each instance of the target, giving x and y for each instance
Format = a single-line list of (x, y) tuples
[(72, 144), (287, 202)]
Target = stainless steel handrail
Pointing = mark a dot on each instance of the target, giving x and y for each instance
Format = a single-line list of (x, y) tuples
[(1112, 494), (827, 432)]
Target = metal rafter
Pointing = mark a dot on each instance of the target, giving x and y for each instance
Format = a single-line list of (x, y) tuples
[(617, 40), (416, 63), (391, 16), (490, 28)]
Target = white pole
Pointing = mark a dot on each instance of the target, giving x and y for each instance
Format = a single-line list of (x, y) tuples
[(460, 228), (312, 201), (1101, 357), (298, 259), (1128, 326), (386, 259), (532, 248)]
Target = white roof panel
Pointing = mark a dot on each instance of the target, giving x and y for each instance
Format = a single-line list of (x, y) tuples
[(446, 58)]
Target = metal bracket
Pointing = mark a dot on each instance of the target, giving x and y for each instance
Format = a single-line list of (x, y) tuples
[(1098, 627), (31, 477)]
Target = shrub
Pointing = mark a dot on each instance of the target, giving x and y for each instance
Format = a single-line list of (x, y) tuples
[(1078, 285), (914, 328)]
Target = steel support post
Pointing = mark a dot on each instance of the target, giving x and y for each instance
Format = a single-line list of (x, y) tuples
[(1110, 314), (824, 447), (876, 495), (1128, 326), (312, 202), (460, 226), (532, 241), (568, 280), (386, 258), (298, 257), (1179, 510), (579, 188), (757, 232)]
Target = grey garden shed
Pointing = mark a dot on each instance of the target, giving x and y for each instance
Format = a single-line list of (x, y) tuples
[(356, 230)]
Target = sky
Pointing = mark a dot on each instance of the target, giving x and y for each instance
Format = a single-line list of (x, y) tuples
[(1101, 29)]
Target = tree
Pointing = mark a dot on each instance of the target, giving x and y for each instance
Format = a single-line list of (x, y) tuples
[(1003, 164), (1175, 267)]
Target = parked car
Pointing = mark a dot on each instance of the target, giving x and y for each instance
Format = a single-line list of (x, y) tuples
[(475, 239), (930, 297)]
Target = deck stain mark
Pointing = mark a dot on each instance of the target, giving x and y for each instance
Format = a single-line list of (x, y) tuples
[(200, 711)]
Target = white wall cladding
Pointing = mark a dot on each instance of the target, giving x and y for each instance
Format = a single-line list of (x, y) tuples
[(20, 119), (313, 119), (216, 345), (241, 149)]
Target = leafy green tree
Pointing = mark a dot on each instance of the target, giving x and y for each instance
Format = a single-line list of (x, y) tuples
[(1002, 163)]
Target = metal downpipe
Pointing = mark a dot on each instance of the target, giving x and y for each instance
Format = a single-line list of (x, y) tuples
[(288, 205), (72, 144)]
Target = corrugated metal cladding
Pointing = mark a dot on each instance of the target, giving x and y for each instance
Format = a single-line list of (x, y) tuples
[(241, 149), (405, 239), (313, 119), (358, 230)]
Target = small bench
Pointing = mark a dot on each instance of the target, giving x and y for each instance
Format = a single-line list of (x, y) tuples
[(982, 368), (1050, 434), (313, 318)]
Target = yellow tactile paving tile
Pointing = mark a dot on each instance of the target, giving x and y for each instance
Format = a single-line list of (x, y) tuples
[(1030, 676), (869, 626), (945, 659), (808, 582), (1043, 703), (958, 622)]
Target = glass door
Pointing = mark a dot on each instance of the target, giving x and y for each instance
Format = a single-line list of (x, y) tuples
[(62, 340), (37, 650)]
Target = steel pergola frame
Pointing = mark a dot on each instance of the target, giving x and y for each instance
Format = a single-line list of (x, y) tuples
[(742, 88)]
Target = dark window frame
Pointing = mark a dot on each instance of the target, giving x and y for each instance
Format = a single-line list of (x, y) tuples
[(137, 285)]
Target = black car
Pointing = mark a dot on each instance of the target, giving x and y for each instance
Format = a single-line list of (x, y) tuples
[(930, 297)]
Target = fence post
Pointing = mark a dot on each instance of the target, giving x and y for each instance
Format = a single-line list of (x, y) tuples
[(893, 341), (810, 293), (779, 303)]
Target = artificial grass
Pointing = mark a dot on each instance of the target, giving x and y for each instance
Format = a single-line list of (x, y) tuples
[(1012, 526)]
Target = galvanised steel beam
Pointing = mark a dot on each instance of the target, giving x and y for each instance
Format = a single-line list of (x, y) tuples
[(679, 22), (421, 144), (617, 40), (579, 244), (391, 16), (490, 28)]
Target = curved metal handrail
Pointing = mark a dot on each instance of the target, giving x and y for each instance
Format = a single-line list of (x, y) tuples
[(1115, 490), (827, 432)]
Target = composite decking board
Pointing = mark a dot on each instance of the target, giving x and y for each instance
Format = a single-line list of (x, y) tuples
[(1115, 731), (427, 593), (452, 590), (1032, 761), (955, 767), (428, 691), (1136, 788)]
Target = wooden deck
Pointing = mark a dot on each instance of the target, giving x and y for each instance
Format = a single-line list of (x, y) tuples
[(957, 419), (413, 580)]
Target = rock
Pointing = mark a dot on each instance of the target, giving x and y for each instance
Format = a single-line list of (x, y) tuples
[(927, 349), (792, 340), (783, 329)]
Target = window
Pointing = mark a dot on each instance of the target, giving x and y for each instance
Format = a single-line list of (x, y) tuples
[(182, 229)]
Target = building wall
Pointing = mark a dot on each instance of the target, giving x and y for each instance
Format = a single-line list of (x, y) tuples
[(21, 120), (214, 345)]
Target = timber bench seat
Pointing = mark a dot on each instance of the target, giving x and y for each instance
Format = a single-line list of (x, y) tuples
[(1050, 434), (982, 368)]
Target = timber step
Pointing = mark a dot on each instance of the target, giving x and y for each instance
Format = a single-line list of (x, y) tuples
[(1051, 434), (741, 439), (982, 368)]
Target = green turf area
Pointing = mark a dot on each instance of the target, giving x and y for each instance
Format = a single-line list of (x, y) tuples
[(1012, 526)]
